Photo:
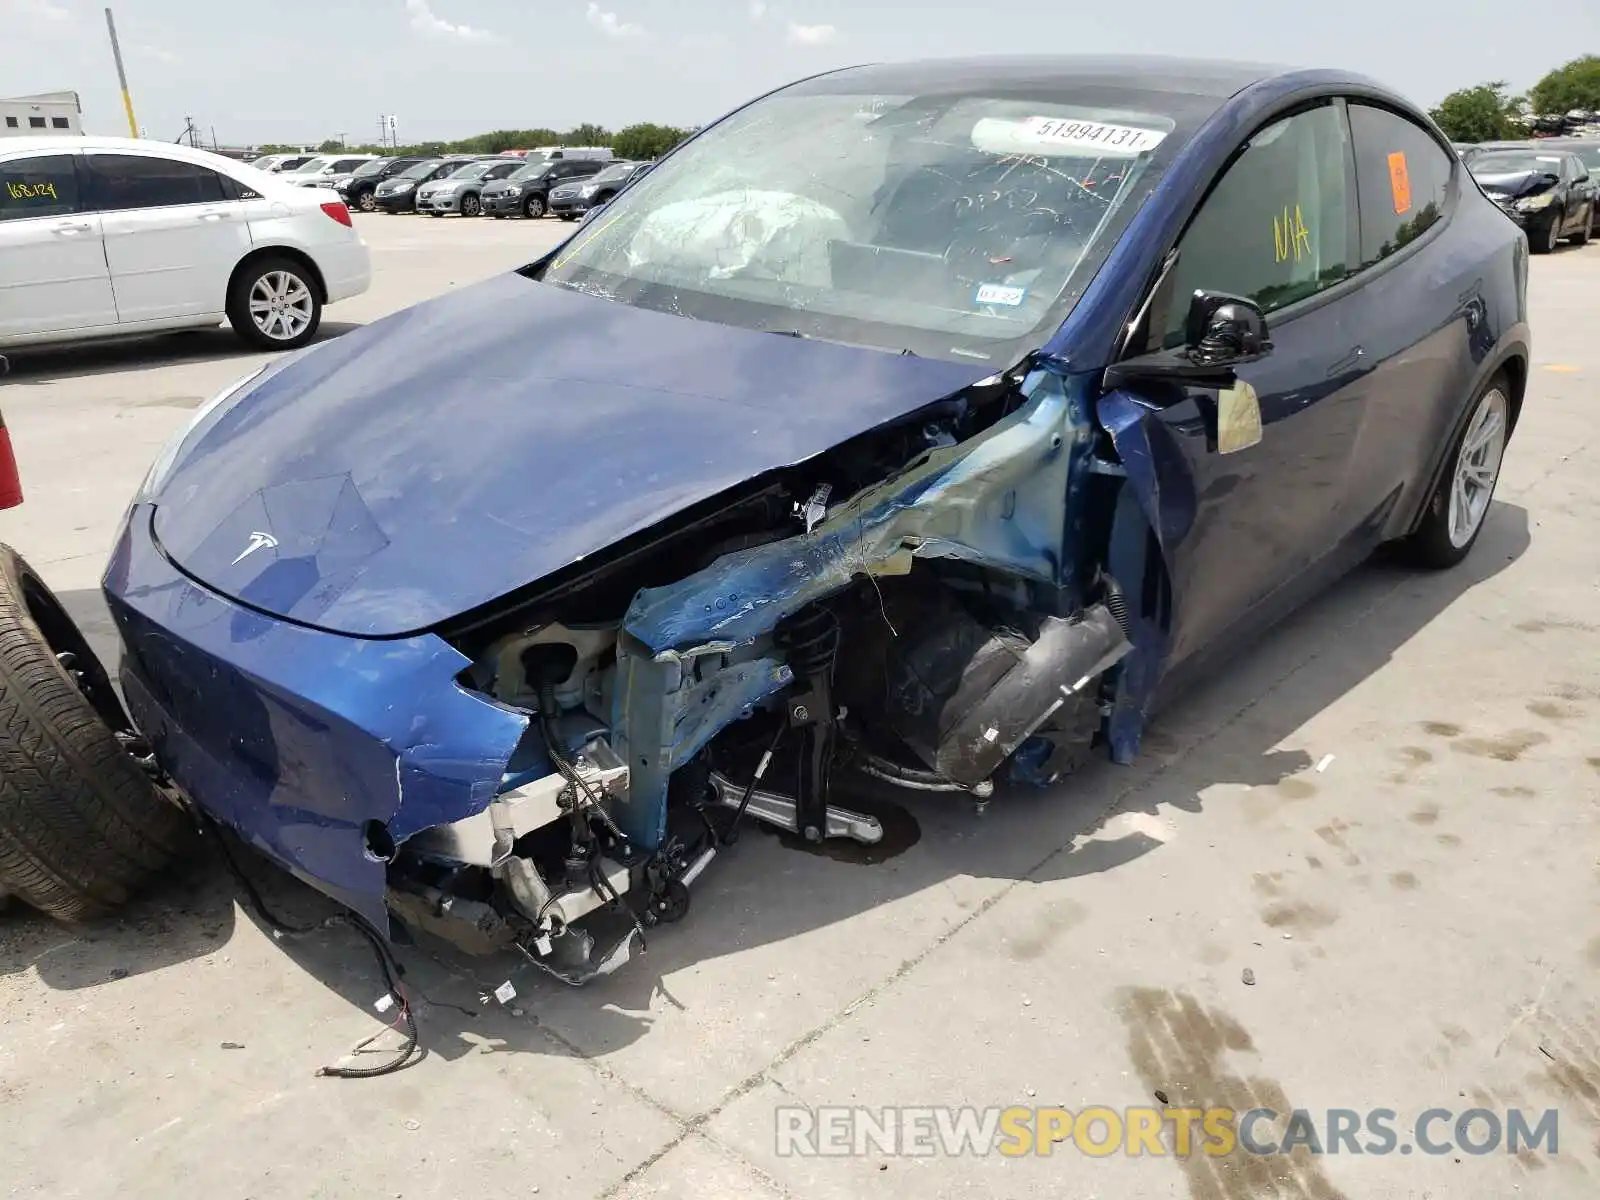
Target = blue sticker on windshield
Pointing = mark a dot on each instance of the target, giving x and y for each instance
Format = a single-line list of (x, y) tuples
[(1000, 293)]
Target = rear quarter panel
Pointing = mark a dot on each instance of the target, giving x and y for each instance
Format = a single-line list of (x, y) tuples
[(1434, 328)]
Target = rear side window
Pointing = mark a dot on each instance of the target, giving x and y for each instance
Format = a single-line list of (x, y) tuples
[(1402, 178), (122, 181), (43, 186), (1276, 227)]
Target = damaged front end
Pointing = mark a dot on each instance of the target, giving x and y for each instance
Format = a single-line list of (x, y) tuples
[(939, 628)]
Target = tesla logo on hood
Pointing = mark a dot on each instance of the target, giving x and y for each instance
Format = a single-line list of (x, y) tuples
[(258, 541)]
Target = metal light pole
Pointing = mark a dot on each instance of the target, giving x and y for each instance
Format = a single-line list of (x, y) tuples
[(122, 76)]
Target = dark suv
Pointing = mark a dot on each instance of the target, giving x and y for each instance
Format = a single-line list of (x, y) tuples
[(571, 200), (527, 191), (398, 193), (359, 188)]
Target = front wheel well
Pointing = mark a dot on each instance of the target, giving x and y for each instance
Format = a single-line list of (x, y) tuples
[(298, 257)]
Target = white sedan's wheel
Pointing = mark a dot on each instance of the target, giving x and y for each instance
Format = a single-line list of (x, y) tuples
[(274, 305)]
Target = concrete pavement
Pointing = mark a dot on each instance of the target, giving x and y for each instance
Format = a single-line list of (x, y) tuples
[(1387, 814)]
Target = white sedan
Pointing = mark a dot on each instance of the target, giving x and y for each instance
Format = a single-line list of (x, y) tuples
[(107, 237)]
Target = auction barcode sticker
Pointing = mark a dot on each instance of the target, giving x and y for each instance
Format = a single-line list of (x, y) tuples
[(1126, 139)]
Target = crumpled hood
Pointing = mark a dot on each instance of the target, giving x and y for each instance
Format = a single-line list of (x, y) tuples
[(453, 452), (1517, 184)]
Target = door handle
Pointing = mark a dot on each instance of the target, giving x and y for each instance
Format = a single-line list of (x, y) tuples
[(67, 230), (211, 217)]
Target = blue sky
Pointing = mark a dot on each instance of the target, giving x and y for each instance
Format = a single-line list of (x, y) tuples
[(303, 70)]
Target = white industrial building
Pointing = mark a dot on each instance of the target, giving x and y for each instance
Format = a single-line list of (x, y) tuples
[(48, 112)]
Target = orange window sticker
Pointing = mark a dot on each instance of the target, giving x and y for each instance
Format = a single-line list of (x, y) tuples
[(1399, 181)]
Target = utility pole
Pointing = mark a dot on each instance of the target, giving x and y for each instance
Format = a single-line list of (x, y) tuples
[(122, 76)]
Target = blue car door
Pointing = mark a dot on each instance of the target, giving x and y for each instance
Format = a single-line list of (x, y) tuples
[(1236, 524), (1431, 258)]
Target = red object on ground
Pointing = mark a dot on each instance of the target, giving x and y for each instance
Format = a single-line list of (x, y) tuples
[(10, 480)]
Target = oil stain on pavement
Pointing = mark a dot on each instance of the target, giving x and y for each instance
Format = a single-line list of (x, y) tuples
[(1178, 1048)]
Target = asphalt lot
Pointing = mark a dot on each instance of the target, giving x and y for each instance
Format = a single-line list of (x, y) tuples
[(1387, 813)]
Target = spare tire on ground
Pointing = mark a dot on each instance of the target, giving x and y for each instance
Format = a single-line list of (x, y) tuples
[(82, 824)]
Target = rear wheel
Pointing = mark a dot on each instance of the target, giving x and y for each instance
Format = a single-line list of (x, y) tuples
[(273, 303), (533, 207), (81, 824), (1460, 503)]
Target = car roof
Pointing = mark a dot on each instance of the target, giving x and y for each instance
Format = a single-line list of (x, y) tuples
[(1211, 78), (70, 142)]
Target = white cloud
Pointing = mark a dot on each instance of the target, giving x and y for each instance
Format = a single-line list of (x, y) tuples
[(812, 35), (158, 53), (36, 14), (426, 22), (758, 9), (609, 24)]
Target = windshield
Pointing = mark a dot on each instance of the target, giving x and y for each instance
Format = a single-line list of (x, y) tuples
[(612, 174), (373, 167), (475, 170), (422, 170), (311, 165), (1504, 162), (532, 171), (951, 225)]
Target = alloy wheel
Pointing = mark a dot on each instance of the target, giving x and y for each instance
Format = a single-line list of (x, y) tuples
[(471, 206), (281, 305), (1478, 467), (366, 202), (534, 207)]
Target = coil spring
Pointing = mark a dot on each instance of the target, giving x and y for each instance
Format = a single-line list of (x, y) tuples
[(811, 640), (1117, 604)]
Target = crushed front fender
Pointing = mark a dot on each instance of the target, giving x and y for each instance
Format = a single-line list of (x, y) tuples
[(320, 750)]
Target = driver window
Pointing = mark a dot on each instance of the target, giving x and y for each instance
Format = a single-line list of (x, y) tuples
[(1276, 226)]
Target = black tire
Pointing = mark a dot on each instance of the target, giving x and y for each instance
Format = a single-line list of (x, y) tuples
[(366, 202), (533, 207), (81, 825), (568, 216), (471, 206), (1543, 239), (1430, 545), (239, 303)]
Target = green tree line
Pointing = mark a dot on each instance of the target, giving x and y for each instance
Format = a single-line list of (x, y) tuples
[(1489, 112), (638, 142)]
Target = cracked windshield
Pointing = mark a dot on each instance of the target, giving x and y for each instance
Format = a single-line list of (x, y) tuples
[(946, 226)]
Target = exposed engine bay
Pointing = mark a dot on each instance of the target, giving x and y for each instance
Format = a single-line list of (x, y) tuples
[(746, 660)]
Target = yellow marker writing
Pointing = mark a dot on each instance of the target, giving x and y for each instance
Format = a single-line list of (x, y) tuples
[(31, 191), (1290, 237)]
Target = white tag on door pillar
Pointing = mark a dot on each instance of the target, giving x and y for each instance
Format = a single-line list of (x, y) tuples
[(1238, 418)]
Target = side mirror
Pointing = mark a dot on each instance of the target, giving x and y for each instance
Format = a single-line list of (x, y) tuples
[(1220, 333)]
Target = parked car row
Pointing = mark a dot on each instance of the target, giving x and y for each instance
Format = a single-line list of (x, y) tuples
[(568, 181), (1548, 186)]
